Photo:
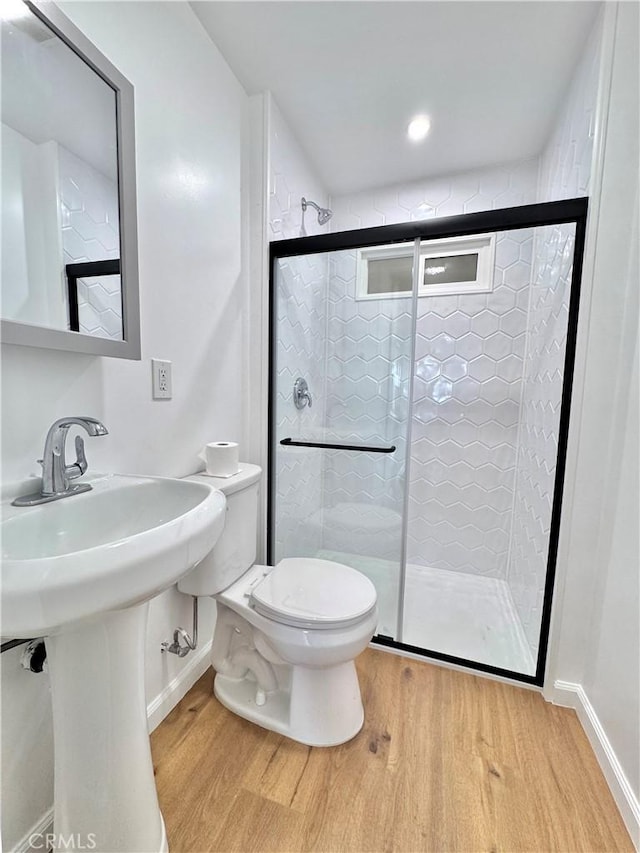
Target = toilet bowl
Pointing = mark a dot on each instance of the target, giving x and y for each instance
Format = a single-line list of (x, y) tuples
[(286, 636)]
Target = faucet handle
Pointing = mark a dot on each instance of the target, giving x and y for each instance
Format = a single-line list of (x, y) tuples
[(80, 465), (301, 394)]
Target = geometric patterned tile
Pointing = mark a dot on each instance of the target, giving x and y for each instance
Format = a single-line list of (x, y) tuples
[(90, 232), (537, 453), (302, 316)]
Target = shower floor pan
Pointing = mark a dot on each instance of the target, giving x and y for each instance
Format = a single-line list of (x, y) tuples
[(467, 616), (454, 613)]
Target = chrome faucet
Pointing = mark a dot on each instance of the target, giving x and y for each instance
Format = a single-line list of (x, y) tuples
[(56, 474)]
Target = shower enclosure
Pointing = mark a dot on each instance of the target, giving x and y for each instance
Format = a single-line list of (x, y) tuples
[(420, 380)]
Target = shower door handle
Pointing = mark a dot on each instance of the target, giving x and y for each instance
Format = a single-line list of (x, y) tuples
[(363, 448)]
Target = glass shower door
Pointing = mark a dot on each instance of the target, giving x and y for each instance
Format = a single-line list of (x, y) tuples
[(487, 395), (420, 393), (342, 351)]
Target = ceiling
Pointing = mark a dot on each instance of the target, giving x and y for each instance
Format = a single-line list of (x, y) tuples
[(50, 93), (348, 77)]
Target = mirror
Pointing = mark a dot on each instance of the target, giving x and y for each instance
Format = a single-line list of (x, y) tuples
[(69, 265)]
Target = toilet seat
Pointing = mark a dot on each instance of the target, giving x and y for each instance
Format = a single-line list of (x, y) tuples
[(312, 593)]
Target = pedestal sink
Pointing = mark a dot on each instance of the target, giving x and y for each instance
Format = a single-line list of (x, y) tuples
[(80, 573)]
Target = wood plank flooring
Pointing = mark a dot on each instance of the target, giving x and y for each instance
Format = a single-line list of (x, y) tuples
[(446, 762)]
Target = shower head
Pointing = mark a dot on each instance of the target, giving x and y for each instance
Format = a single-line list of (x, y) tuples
[(324, 214)]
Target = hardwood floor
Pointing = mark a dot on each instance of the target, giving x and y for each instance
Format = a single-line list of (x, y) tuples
[(445, 762)]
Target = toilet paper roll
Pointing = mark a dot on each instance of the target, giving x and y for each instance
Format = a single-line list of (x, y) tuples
[(221, 458)]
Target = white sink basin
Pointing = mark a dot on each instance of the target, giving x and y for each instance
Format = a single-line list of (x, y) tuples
[(80, 572), (118, 545)]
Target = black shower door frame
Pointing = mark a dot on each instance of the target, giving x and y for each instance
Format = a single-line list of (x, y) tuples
[(569, 211)]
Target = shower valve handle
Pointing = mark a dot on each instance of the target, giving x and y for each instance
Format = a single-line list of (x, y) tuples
[(301, 394)]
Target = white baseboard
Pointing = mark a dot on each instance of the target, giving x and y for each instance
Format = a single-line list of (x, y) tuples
[(34, 840), (197, 664), (574, 696)]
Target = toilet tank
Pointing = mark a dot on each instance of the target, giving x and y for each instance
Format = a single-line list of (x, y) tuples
[(235, 550)]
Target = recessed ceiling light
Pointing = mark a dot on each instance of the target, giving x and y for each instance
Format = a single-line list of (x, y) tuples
[(418, 128), (13, 9)]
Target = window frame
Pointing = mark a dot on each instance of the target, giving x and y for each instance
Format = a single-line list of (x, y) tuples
[(482, 245)]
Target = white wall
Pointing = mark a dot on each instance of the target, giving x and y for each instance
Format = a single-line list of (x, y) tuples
[(30, 227), (611, 676), (594, 660), (190, 118)]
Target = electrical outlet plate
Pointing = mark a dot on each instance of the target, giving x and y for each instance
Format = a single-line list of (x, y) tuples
[(161, 379)]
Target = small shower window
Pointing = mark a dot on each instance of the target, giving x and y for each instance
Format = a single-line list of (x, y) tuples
[(453, 266)]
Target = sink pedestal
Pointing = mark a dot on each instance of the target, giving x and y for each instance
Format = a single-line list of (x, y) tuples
[(77, 572), (105, 793)]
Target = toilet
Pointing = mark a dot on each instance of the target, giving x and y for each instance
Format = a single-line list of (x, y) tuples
[(286, 636)]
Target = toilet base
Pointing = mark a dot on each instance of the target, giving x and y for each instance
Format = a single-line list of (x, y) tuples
[(322, 707)]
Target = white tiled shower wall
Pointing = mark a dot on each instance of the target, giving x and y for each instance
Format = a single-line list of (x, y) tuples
[(467, 393), (565, 169), (90, 232), (300, 352), (467, 388), (539, 422), (480, 189), (368, 364), (301, 319)]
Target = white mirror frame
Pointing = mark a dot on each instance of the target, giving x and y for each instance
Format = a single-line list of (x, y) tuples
[(62, 339)]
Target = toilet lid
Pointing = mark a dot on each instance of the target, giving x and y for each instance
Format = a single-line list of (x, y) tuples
[(311, 593)]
